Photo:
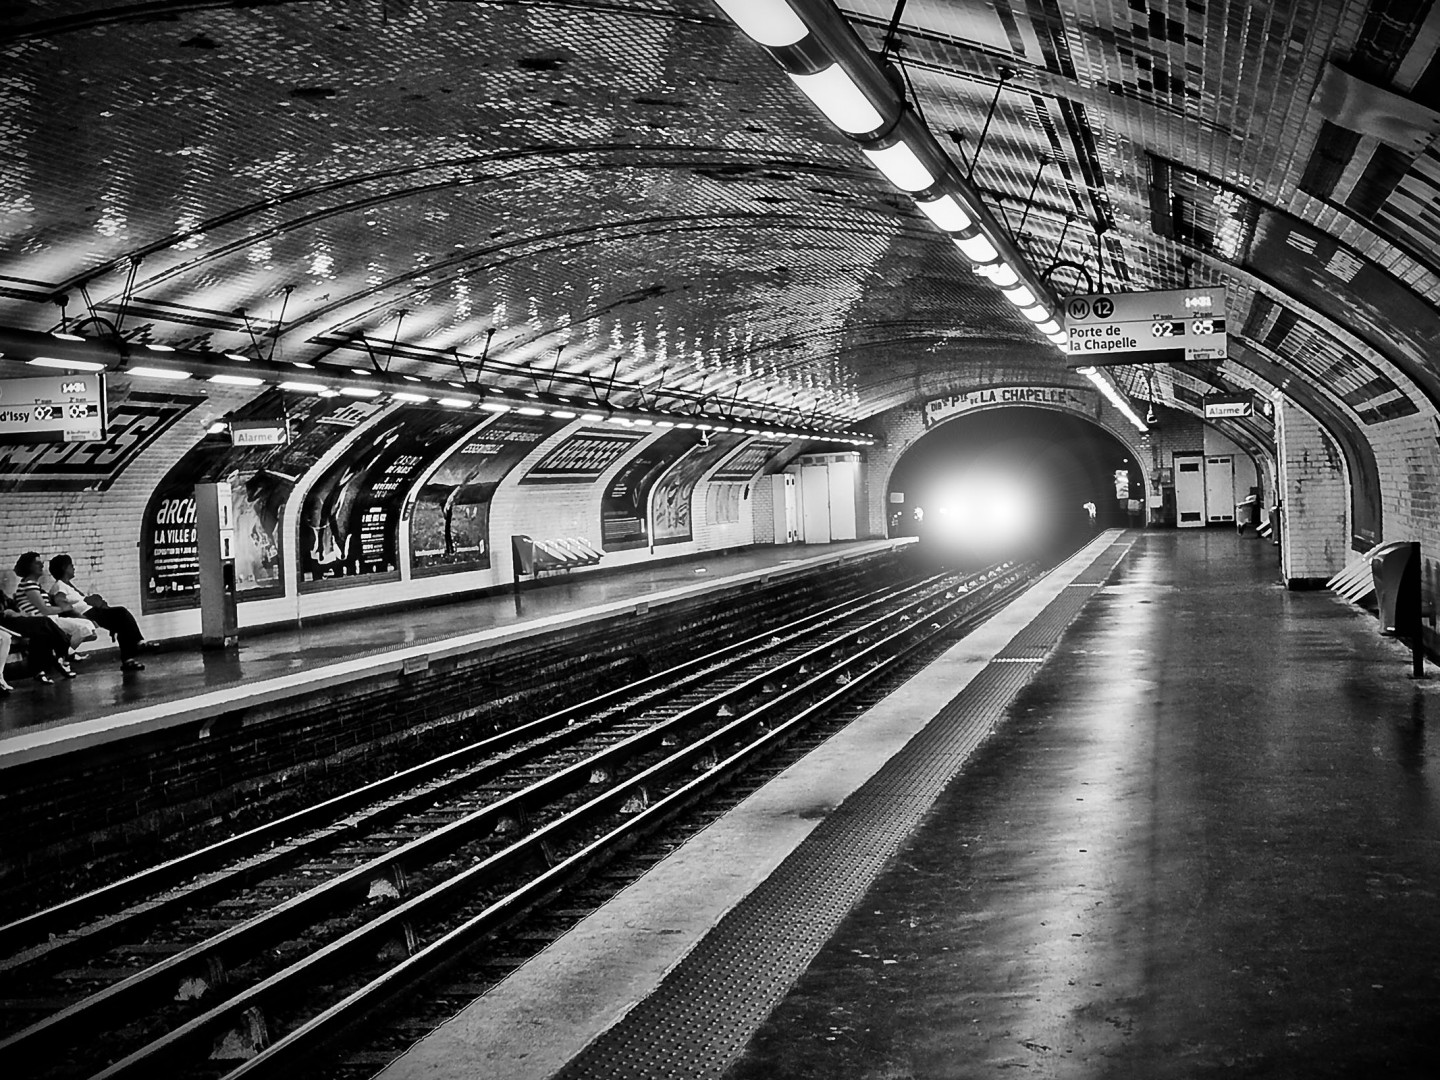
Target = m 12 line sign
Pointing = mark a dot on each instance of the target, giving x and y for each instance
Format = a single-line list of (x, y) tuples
[(1146, 327)]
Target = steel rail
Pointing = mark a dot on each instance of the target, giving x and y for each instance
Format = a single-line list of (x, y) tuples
[(161, 1054), (154, 984), (53, 927)]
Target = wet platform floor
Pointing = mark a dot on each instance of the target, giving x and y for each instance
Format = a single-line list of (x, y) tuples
[(1205, 841)]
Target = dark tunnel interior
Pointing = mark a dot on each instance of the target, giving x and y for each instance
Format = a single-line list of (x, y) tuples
[(1012, 483)]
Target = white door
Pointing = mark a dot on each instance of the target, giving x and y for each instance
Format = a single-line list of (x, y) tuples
[(1190, 492), (842, 499), (815, 504), (1220, 489)]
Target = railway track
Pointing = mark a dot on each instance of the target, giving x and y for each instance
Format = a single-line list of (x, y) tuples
[(238, 960)]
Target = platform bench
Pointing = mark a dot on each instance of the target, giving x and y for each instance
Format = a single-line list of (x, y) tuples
[(553, 555)]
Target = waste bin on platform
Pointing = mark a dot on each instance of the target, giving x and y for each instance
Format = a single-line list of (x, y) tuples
[(1396, 567)]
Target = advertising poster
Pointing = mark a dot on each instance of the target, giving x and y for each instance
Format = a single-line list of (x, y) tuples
[(622, 508), (261, 478), (350, 523), (450, 514), (748, 461), (670, 503), (584, 457), (137, 419)]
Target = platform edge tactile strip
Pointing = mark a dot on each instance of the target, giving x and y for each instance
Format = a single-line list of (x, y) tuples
[(707, 1008)]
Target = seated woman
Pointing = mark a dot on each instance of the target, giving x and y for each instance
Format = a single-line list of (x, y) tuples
[(30, 599), (66, 595), (6, 637), (48, 644)]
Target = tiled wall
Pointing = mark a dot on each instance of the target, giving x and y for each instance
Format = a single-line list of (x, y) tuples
[(102, 529)]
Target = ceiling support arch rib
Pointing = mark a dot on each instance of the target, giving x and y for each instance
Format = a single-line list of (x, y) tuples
[(817, 48)]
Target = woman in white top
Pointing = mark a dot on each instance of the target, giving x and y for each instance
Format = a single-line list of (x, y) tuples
[(117, 620)]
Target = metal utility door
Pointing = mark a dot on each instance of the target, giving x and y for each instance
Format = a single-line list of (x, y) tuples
[(815, 504), (1220, 489), (1190, 492), (787, 525)]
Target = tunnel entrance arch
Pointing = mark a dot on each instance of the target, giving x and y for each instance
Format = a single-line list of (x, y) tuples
[(991, 463)]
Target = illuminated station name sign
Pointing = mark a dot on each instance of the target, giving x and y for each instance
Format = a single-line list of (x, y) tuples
[(52, 408), (1075, 399), (1146, 327)]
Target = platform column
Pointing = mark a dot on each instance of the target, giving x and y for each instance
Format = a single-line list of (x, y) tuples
[(1315, 498), (215, 536)]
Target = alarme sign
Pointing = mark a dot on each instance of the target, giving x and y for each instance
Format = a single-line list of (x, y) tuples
[(52, 408)]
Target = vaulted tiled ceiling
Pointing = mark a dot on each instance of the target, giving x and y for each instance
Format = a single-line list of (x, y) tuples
[(633, 191)]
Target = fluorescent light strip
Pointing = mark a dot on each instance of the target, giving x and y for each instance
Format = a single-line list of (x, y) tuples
[(236, 380), (946, 213), (770, 22), (562, 414), (1002, 274), (236, 356), (1036, 314), (1049, 327), (835, 94), (530, 410), (461, 403), (401, 395), (158, 373), (1113, 396), (488, 406), (66, 365), (65, 335), (902, 168), (591, 417), (977, 248), (160, 348), (359, 391), (1020, 296), (302, 387)]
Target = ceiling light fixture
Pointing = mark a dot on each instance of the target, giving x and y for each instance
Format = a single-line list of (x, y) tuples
[(236, 380), (67, 365), (158, 373), (977, 248), (901, 166), (836, 95), (770, 22), (1103, 384), (946, 213)]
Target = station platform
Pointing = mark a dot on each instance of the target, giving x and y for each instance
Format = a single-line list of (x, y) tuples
[(1159, 818), (104, 705)]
